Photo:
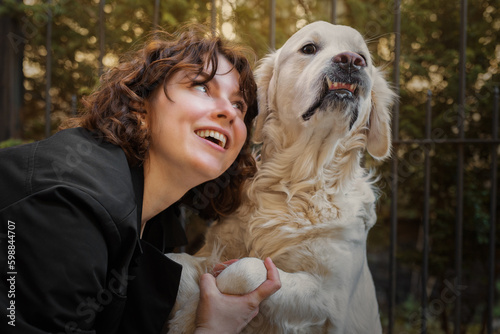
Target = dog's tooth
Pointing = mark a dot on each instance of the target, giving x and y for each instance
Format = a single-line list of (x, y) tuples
[(329, 82), (223, 141)]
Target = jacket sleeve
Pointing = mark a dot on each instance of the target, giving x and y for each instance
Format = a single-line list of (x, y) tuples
[(54, 262)]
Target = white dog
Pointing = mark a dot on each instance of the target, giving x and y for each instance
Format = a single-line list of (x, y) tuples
[(310, 205)]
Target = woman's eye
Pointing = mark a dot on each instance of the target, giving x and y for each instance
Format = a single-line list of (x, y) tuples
[(200, 87), (240, 106), (309, 49)]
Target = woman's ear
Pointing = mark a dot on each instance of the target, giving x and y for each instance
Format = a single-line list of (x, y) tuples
[(264, 76), (379, 133)]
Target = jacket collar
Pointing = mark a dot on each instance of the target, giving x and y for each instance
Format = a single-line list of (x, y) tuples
[(165, 230)]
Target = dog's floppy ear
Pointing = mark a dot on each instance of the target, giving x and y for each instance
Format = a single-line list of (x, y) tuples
[(266, 82), (379, 133)]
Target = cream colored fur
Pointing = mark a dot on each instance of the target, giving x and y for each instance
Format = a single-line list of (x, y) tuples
[(310, 205)]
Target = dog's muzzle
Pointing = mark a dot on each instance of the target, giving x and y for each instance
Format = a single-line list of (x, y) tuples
[(344, 80)]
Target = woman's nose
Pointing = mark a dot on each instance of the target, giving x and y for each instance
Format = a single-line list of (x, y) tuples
[(225, 109)]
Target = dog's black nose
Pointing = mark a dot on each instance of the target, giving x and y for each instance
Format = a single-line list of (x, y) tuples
[(349, 61)]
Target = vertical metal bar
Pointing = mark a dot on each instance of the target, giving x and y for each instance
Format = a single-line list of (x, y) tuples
[(74, 105), (334, 12), (493, 214), (101, 35), (462, 68), (397, 53), (394, 182), (213, 18), (427, 194), (272, 20), (48, 70), (156, 16), (460, 164)]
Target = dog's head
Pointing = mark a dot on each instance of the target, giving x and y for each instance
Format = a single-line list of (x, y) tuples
[(322, 81)]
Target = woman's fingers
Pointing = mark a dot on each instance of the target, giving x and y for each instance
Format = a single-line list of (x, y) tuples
[(271, 284)]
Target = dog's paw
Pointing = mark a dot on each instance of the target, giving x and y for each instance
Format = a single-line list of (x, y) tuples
[(242, 276)]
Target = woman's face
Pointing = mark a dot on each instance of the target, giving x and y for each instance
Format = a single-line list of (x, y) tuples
[(199, 132)]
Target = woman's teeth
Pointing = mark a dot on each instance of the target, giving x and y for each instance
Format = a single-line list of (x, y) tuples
[(213, 136)]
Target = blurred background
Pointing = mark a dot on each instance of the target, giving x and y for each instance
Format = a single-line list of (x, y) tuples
[(434, 252)]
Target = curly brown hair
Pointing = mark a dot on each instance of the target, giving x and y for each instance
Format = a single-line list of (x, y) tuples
[(115, 109)]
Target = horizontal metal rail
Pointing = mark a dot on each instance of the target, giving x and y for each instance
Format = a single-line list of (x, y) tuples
[(447, 141)]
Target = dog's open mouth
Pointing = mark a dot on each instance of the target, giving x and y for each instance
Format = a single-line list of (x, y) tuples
[(345, 90), (341, 92)]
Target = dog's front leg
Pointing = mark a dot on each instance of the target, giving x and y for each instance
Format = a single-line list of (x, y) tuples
[(184, 311), (306, 303), (300, 299)]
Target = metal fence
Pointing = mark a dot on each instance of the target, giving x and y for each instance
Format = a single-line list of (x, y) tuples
[(456, 143)]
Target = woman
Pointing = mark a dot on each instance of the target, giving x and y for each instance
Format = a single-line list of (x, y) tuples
[(88, 213)]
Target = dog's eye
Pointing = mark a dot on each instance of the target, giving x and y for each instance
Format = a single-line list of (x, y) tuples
[(309, 49)]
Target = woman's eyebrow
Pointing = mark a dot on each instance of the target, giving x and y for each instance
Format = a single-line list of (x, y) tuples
[(203, 75)]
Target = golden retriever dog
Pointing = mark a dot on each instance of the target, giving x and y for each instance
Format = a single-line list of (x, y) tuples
[(311, 204)]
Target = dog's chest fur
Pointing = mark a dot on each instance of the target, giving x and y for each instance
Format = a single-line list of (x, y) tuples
[(292, 230)]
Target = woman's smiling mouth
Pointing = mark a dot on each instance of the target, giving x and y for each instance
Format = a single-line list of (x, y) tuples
[(213, 136)]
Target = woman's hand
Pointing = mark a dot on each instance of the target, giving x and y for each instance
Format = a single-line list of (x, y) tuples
[(226, 314)]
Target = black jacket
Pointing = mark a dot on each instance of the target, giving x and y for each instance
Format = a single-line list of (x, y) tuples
[(71, 260)]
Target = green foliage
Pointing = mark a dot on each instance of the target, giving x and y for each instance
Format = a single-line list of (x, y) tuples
[(11, 143)]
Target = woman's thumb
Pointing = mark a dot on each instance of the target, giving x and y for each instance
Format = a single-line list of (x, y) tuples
[(208, 285)]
